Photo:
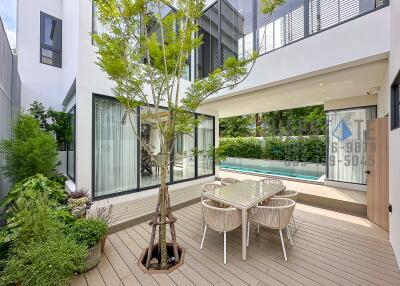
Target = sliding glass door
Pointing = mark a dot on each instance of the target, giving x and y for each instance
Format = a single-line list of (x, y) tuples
[(347, 144), (121, 164), (115, 148)]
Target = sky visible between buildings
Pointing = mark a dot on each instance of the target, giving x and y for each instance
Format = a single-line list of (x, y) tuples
[(8, 14)]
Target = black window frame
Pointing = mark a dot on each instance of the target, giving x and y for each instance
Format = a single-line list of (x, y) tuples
[(43, 45), (72, 112), (140, 189), (395, 103)]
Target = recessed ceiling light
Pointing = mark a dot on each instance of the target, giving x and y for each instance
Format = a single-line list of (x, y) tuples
[(321, 84)]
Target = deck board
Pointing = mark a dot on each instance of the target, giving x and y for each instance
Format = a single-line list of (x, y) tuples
[(321, 255)]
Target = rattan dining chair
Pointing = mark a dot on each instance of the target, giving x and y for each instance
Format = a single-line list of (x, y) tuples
[(289, 194), (228, 181), (211, 187), (275, 214), (221, 219)]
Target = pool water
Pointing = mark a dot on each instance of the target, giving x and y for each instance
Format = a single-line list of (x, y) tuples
[(283, 173)]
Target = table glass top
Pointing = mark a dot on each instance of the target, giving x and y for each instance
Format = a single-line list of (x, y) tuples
[(244, 193)]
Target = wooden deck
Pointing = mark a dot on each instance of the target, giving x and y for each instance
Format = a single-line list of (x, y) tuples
[(329, 249)]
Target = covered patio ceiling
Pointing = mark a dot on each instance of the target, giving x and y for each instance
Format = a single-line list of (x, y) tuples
[(361, 80)]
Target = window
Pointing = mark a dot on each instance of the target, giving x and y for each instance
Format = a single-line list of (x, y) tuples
[(50, 40), (71, 145), (395, 104), (121, 163)]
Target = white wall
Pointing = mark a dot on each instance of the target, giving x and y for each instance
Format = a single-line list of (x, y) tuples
[(39, 81), (362, 40), (394, 136)]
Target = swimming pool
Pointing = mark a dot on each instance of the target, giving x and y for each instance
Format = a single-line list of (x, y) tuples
[(301, 171)]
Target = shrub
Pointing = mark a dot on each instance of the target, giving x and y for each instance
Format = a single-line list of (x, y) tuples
[(31, 187), (41, 252), (88, 231), (31, 151), (302, 149)]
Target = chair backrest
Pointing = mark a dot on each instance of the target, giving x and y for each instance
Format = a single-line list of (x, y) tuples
[(288, 194), (275, 213), (272, 181), (228, 181), (220, 218), (211, 187)]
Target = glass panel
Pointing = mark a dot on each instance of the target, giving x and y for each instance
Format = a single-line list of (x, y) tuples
[(245, 193), (236, 28), (115, 148), (205, 137), (207, 54), (283, 26), (97, 26), (347, 144), (71, 147), (183, 164), (150, 171), (50, 58)]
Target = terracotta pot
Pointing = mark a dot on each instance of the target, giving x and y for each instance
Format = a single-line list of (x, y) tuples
[(93, 257)]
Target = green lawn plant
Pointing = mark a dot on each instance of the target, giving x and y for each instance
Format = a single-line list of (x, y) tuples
[(42, 252), (88, 231), (29, 152), (144, 51)]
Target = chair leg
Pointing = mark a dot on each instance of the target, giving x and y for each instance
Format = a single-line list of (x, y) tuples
[(283, 245), (258, 229), (295, 228), (248, 233), (204, 235), (289, 235), (224, 247)]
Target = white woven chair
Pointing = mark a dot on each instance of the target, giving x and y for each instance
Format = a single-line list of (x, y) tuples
[(275, 214), (221, 219), (228, 181), (211, 187), (289, 194)]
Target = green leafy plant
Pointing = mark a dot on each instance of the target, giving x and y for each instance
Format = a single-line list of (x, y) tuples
[(53, 121), (31, 151), (33, 186), (144, 51), (41, 253), (88, 231), (301, 149)]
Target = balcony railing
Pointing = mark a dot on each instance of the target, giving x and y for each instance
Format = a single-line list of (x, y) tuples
[(237, 27), (298, 19)]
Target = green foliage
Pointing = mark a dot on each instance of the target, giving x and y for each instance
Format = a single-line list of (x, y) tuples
[(302, 149), (88, 231), (53, 121), (31, 188), (238, 126), (268, 6), (31, 151), (41, 252)]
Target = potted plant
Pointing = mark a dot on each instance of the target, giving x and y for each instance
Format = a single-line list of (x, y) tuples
[(89, 232), (104, 213)]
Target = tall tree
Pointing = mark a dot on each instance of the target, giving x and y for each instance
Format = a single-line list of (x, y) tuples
[(237, 126), (144, 52)]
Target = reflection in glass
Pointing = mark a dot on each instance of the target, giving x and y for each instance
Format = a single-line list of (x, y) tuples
[(150, 170), (183, 164), (71, 146), (347, 142), (115, 149), (205, 141)]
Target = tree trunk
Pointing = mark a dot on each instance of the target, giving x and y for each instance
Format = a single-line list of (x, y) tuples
[(163, 214), (258, 124)]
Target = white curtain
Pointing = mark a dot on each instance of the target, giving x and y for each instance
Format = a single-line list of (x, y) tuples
[(347, 143), (115, 149), (205, 140)]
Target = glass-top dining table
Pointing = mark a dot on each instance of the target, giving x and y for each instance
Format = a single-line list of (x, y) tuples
[(244, 195)]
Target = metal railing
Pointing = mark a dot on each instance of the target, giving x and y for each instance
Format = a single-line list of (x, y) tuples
[(298, 19)]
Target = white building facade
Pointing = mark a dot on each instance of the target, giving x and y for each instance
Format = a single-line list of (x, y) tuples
[(343, 54)]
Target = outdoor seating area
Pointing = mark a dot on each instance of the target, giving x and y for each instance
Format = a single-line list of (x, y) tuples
[(329, 248)]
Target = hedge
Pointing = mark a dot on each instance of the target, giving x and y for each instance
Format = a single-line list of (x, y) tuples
[(302, 149)]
